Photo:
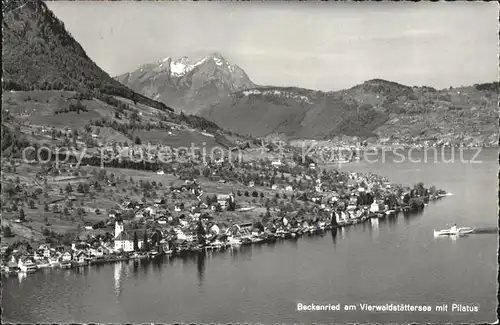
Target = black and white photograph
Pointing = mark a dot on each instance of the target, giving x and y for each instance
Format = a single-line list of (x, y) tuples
[(249, 162)]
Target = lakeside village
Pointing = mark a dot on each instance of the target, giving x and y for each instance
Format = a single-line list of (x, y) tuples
[(66, 216)]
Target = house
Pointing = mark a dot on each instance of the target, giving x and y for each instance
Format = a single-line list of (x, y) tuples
[(159, 201), (245, 228), (66, 257), (289, 188), (79, 246), (187, 236), (97, 252), (222, 199), (274, 187), (276, 163), (215, 229), (251, 184), (81, 257), (162, 221), (160, 172), (88, 226), (38, 254)]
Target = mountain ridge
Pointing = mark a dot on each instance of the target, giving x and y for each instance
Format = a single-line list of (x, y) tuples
[(375, 108)]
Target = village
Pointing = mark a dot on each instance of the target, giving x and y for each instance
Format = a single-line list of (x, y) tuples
[(71, 216)]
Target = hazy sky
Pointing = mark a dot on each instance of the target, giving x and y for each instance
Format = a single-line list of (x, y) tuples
[(320, 45)]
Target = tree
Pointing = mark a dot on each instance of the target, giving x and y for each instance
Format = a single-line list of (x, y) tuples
[(74, 136), (7, 232), (68, 188), (145, 243), (22, 216), (137, 140), (136, 242), (201, 233), (32, 204), (45, 207)]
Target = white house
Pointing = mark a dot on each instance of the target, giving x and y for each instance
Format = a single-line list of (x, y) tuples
[(215, 229), (374, 207), (223, 199), (66, 257), (276, 163)]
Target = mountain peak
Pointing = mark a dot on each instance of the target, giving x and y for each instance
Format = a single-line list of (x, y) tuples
[(188, 83), (216, 55)]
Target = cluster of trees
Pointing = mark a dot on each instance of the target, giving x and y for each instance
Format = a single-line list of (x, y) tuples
[(12, 142), (196, 122), (73, 107), (7, 232), (128, 128), (491, 86), (360, 123)]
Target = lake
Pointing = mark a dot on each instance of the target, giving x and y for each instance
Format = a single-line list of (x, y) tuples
[(397, 261)]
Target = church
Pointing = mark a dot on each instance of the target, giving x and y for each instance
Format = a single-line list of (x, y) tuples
[(123, 240)]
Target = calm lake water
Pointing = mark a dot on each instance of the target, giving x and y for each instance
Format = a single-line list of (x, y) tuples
[(398, 261)]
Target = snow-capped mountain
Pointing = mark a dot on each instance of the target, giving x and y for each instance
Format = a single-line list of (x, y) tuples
[(188, 84)]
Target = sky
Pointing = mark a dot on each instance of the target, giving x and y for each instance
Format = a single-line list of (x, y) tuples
[(319, 45)]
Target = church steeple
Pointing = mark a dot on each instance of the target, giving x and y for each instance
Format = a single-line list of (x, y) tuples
[(118, 226)]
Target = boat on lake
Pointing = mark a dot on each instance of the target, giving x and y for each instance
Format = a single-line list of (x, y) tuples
[(153, 254), (138, 256), (454, 231), (43, 264)]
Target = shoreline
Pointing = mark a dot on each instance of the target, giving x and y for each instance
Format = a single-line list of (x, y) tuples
[(264, 238)]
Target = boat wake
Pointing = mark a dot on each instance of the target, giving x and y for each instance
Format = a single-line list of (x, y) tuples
[(486, 230)]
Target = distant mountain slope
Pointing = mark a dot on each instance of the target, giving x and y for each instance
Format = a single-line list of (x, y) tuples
[(187, 84), (295, 112), (376, 107), (38, 53)]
